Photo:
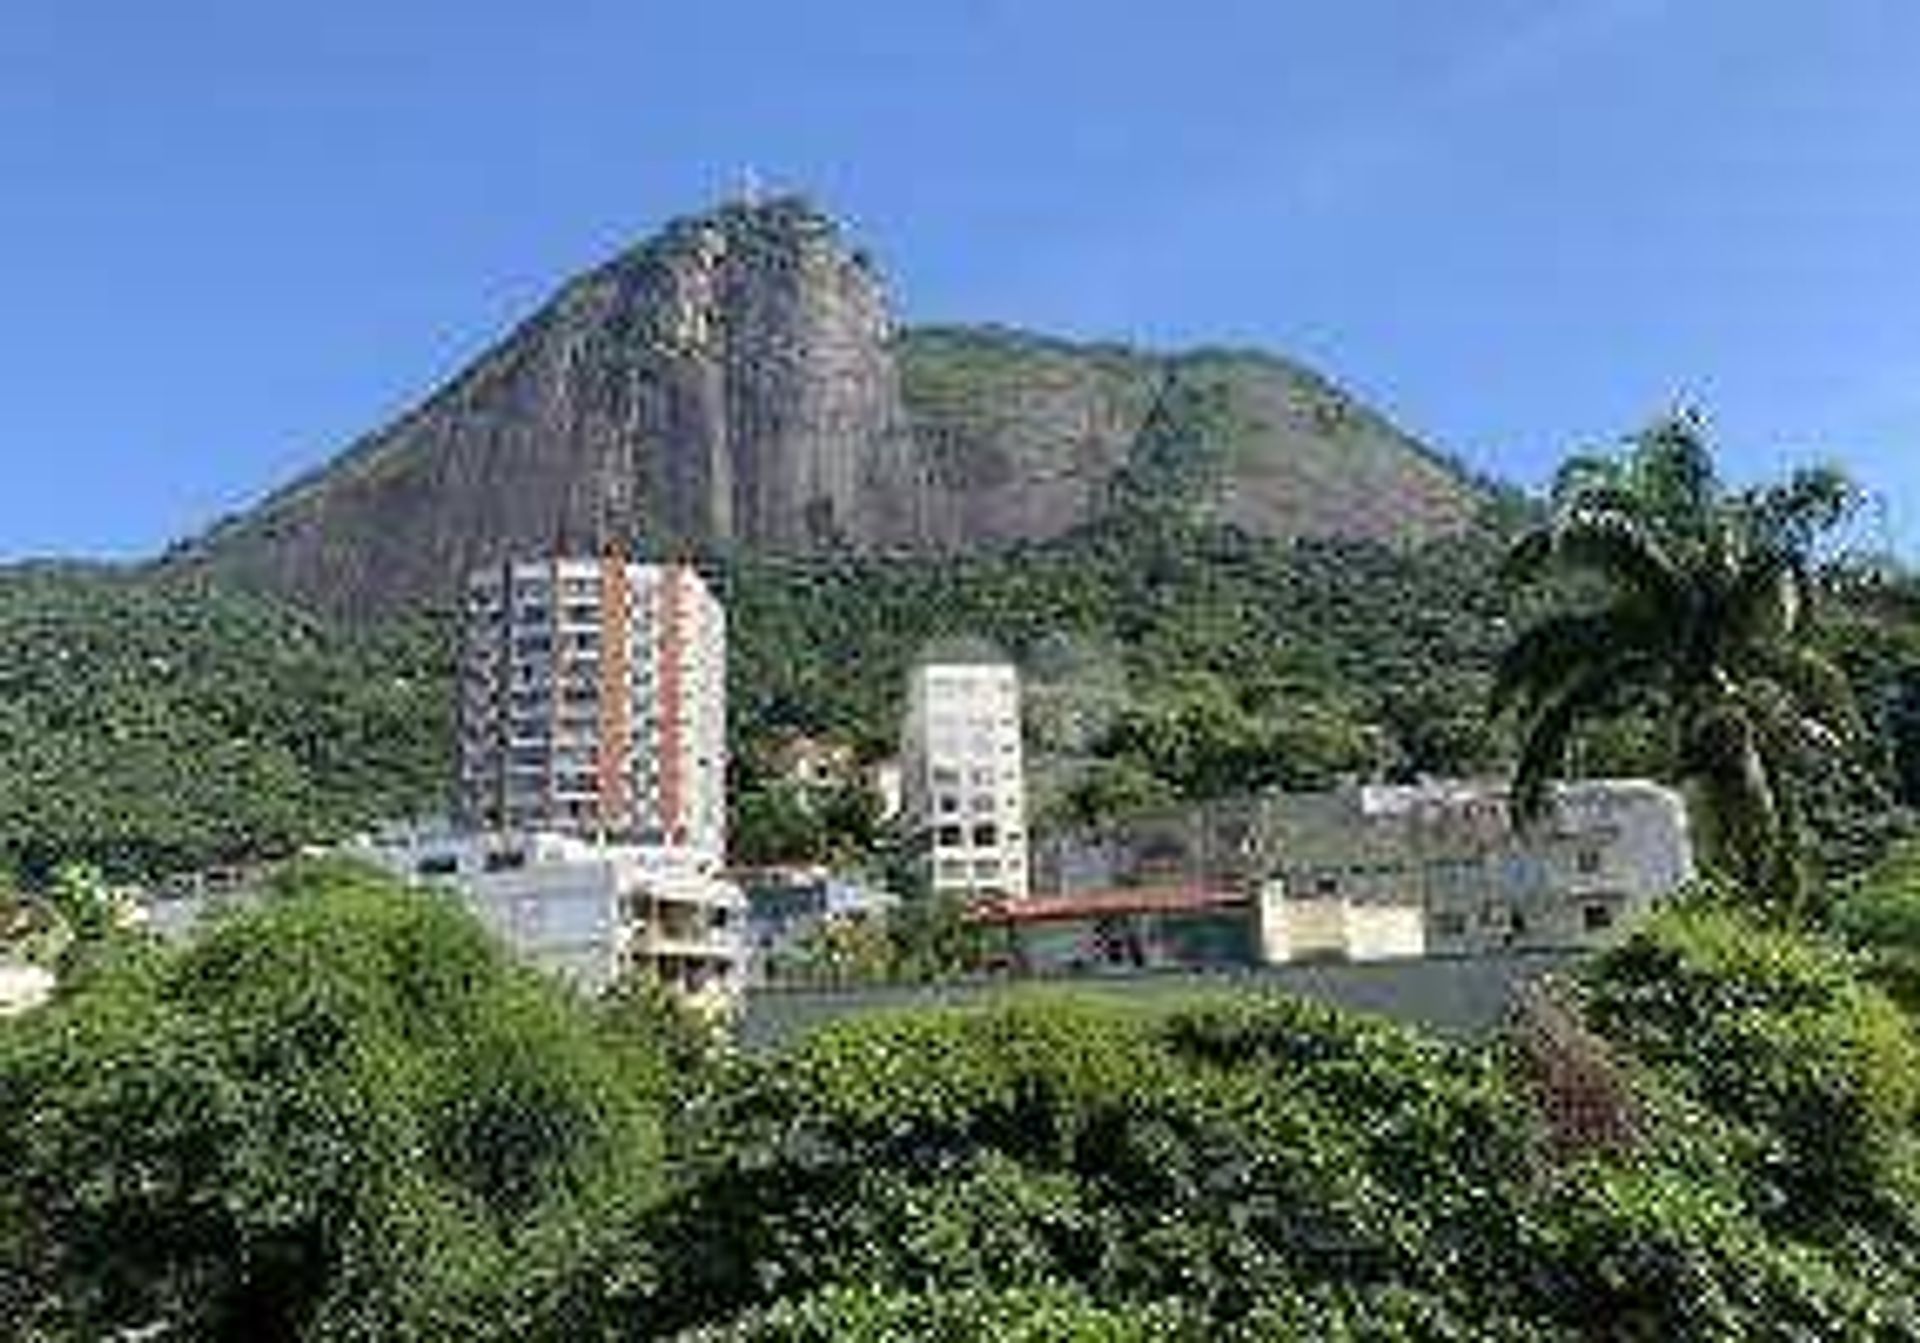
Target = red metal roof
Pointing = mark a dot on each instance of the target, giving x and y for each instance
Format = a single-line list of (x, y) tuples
[(1114, 901)]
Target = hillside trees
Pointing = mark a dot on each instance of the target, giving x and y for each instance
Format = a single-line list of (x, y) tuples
[(149, 726)]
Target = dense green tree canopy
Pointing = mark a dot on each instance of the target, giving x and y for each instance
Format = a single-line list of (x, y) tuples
[(345, 1115), (149, 726)]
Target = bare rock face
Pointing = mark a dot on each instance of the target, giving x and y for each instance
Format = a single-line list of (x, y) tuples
[(736, 380), (728, 381)]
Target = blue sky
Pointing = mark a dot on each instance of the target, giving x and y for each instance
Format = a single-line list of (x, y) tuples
[(236, 235)]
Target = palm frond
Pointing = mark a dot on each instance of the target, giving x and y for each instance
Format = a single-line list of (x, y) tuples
[(1528, 557), (1792, 517), (1586, 474), (1539, 664), (1549, 730), (1725, 758), (1819, 689), (1671, 470), (1620, 550), (1764, 599)]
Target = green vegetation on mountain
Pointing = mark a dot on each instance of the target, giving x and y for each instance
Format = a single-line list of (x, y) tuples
[(1202, 657), (153, 725), (149, 725)]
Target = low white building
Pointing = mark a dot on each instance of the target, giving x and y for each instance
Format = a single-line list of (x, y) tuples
[(1372, 871), (590, 912)]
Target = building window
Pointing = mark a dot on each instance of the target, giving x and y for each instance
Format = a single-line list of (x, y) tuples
[(986, 835), (986, 867), (950, 836), (1450, 923), (1588, 861), (439, 865), (949, 803), (503, 860), (1596, 916)]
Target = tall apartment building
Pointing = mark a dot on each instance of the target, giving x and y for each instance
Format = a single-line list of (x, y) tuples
[(962, 786), (593, 703)]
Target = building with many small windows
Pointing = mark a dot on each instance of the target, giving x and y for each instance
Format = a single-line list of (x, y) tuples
[(1374, 871), (593, 703), (963, 791), (1440, 868)]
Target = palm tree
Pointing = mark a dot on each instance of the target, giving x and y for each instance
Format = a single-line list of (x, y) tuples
[(1687, 601)]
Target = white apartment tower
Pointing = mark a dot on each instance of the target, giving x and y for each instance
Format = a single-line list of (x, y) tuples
[(962, 786), (593, 703)]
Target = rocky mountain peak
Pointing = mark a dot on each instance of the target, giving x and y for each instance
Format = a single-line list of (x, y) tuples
[(737, 379)]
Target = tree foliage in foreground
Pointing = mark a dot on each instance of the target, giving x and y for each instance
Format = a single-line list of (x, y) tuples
[(343, 1116), (1266, 1168)]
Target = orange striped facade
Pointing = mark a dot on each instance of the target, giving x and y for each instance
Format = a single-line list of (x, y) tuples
[(593, 702)]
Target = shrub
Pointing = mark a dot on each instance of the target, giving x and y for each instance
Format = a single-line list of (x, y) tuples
[(341, 1115), (1776, 1036)]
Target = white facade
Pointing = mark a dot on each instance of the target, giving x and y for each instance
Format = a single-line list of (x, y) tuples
[(963, 789), (23, 987), (593, 702), (590, 912), (1332, 929)]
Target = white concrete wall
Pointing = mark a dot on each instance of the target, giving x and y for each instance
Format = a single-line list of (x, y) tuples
[(23, 987), (569, 905), (1311, 928)]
